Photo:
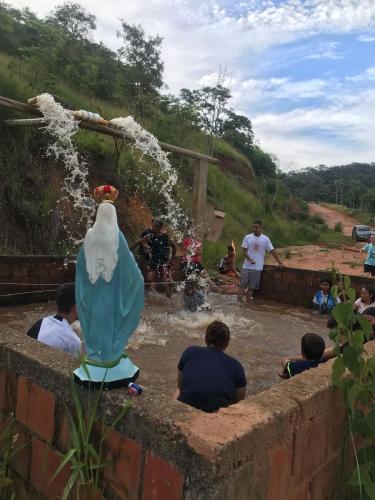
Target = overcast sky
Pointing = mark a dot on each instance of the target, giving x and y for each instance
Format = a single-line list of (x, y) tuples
[(303, 71)]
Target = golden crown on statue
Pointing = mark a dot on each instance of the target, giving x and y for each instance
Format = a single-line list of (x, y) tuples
[(105, 193)]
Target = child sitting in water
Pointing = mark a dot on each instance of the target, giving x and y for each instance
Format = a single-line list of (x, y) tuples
[(194, 299), (323, 300), (312, 350)]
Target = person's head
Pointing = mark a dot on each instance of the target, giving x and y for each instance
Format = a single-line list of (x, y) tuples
[(372, 239), (369, 314), (157, 225), (312, 346), (325, 285), (217, 335), (257, 227), (230, 250), (66, 302), (367, 294)]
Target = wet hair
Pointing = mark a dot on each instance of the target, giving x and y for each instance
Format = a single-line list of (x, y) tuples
[(65, 297), (326, 280), (371, 292), (217, 335), (331, 322), (258, 222), (231, 248), (312, 346), (157, 222), (370, 311)]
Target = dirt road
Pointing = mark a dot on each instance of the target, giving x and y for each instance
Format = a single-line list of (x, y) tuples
[(347, 259), (332, 217)]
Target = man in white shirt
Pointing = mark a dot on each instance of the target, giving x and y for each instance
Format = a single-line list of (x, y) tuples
[(56, 331), (254, 247)]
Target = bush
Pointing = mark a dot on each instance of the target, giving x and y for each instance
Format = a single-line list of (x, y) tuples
[(338, 227)]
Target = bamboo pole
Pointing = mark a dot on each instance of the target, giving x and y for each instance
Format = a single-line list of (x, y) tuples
[(107, 130)]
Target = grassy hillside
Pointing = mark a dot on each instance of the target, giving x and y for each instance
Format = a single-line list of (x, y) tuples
[(30, 220)]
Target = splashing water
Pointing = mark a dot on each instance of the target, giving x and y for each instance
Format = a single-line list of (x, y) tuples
[(62, 126), (148, 144)]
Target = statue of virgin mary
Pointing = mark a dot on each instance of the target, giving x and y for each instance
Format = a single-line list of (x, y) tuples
[(109, 297)]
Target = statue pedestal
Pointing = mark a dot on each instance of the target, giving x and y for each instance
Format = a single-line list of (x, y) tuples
[(109, 377)]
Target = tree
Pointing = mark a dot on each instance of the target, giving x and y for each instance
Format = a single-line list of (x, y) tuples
[(237, 130), (143, 77), (209, 103), (74, 20)]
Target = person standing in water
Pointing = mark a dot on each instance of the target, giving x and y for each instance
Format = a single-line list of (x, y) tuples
[(254, 247), (369, 264)]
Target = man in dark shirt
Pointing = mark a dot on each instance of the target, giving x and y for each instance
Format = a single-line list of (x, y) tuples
[(159, 243), (209, 379)]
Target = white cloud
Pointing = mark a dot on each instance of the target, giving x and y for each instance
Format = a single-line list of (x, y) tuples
[(200, 36)]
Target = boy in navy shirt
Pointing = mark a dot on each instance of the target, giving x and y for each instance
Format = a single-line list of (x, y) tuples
[(209, 379), (312, 350)]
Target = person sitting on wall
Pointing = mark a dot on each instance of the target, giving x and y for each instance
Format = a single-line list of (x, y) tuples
[(365, 300), (323, 300), (209, 379), (312, 350), (228, 263), (56, 331)]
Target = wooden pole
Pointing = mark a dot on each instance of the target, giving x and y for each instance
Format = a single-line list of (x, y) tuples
[(199, 196), (107, 130)]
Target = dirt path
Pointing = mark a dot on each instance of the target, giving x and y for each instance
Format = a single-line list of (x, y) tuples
[(347, 259), (332, 217)]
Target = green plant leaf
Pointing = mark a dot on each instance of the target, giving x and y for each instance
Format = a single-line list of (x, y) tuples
[(343, 313), (353, 395), (335, 291), (5, 482), (351, 361), (365, 326), (338, 370), (350, 292), (347, 283), (64, 461), (370, 419)]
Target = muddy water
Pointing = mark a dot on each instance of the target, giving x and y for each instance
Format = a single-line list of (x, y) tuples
[(261, 334)]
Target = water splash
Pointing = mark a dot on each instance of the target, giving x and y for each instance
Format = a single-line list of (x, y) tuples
[(148, 144), (62, 126)]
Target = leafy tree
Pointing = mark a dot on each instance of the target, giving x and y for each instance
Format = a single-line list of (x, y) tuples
[(209, 103), (73, 20), (140, 56)]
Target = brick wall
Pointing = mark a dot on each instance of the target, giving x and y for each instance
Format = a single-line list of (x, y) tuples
[(43, 434), (298, 286), (284, 443), (20, 274)]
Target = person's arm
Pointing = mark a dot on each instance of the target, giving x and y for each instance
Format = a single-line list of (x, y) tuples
[(240, 394), (356, 304), (138, 242), (364, 249), (276, 257), (244, 252), (173, 246)]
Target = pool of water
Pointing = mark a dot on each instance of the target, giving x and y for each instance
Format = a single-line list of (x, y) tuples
[(261, 334)]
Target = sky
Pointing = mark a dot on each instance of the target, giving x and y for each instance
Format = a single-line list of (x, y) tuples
[(303, 71)]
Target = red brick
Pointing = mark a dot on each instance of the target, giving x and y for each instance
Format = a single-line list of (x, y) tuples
[(63, 433), (35, 408), (162, 480), (280, 473), (125, 470), (21, 460), (44, 463), (300, 493), (310, 448), (8, 384), (326, 480)]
